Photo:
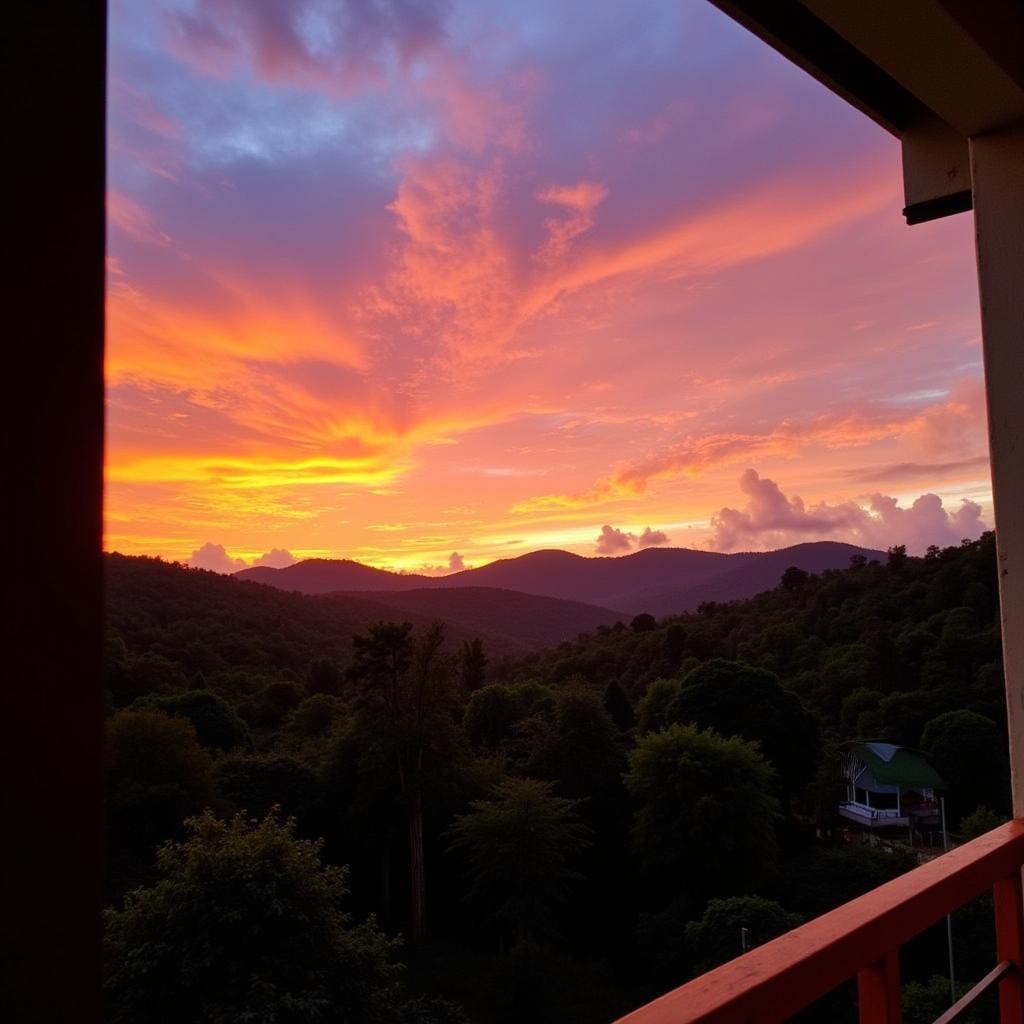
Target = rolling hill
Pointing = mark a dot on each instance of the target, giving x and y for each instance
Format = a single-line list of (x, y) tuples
[(147, 598), (662, 581)]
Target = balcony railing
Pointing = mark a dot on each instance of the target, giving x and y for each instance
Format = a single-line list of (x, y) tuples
[(872, 813), (862, 938)]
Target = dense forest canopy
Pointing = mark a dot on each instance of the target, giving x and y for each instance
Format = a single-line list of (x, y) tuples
[(558, 835)]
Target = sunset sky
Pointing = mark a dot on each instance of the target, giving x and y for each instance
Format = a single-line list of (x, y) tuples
[(427, 284)]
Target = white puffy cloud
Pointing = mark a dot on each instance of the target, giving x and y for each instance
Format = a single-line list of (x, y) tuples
[(652, 538), (455, 563), (213, 557), (611, 541), (770, 519), (276, 558)]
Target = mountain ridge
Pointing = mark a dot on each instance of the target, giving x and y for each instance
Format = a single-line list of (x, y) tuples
[(661, 581), (144, 592)]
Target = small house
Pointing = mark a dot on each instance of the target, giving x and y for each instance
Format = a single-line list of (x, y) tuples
[(888, 786)]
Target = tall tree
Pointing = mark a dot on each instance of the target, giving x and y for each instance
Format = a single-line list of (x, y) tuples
[(216, 723), (693, 793), (407, 688), (969, 752), (716, 937), (739, 700), (157, 775), (474, 665), (244, 923), (519, 843), (618, 705)]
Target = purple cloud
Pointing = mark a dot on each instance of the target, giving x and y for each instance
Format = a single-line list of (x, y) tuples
[(652, 538), (214, 558), (613, 541), (276, 558), (770, 519)]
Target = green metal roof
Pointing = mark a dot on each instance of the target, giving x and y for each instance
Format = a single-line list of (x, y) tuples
[(897, 766)]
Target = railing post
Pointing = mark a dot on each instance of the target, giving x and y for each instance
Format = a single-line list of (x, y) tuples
[(1009, 913), (878, 991)]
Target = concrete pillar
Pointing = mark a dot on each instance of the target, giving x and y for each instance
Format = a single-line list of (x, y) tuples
[(997, 173)]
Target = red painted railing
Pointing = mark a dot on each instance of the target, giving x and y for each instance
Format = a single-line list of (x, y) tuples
[(863, 938)]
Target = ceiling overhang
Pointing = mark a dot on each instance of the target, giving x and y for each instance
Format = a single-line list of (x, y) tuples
[(934, 73)]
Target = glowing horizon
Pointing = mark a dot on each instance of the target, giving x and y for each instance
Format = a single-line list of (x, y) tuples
[(398, 282)]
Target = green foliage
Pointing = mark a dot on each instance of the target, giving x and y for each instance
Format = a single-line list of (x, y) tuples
[(408, 707), (216, 724), (316, 716), (794, 579), (652, 713), (275, 701), (716, 937), (981, 820), (325, 677), (925, 1001), (408, 696), (825, 878), (157, 775), (581, 749), (895, 633), (897, 557), (245, 924), (735, 699), (380, 758), (518, 844), (490, 716), (533, 698), (473, 668), (694, 791), (618, 706), (146, 674), (432, 1010), (969, 752), (255, 784)]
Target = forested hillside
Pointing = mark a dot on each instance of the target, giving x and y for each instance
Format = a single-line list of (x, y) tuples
[(554, 837), (206, 622), (873, 650)]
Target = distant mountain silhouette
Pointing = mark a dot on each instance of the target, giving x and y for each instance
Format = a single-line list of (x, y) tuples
[(662, 581), (328, 576), (144, 591), (510, 618)]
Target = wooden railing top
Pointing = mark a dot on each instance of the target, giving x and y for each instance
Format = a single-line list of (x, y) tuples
[(774, 981)]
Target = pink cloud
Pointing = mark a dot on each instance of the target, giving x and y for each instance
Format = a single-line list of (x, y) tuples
[(215, 558), (276, 558), (652, 538), (134, 220), (771, 519), (612, 541), (580, 201), (953, 425), (335, 46)]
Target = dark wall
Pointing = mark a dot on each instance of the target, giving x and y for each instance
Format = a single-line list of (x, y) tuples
[(53, 145)]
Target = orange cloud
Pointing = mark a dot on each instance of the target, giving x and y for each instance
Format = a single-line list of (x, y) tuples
[(580, 201), (948, 425)]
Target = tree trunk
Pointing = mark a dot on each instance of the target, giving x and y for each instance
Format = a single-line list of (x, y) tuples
[(385, 881), (418, 903)]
